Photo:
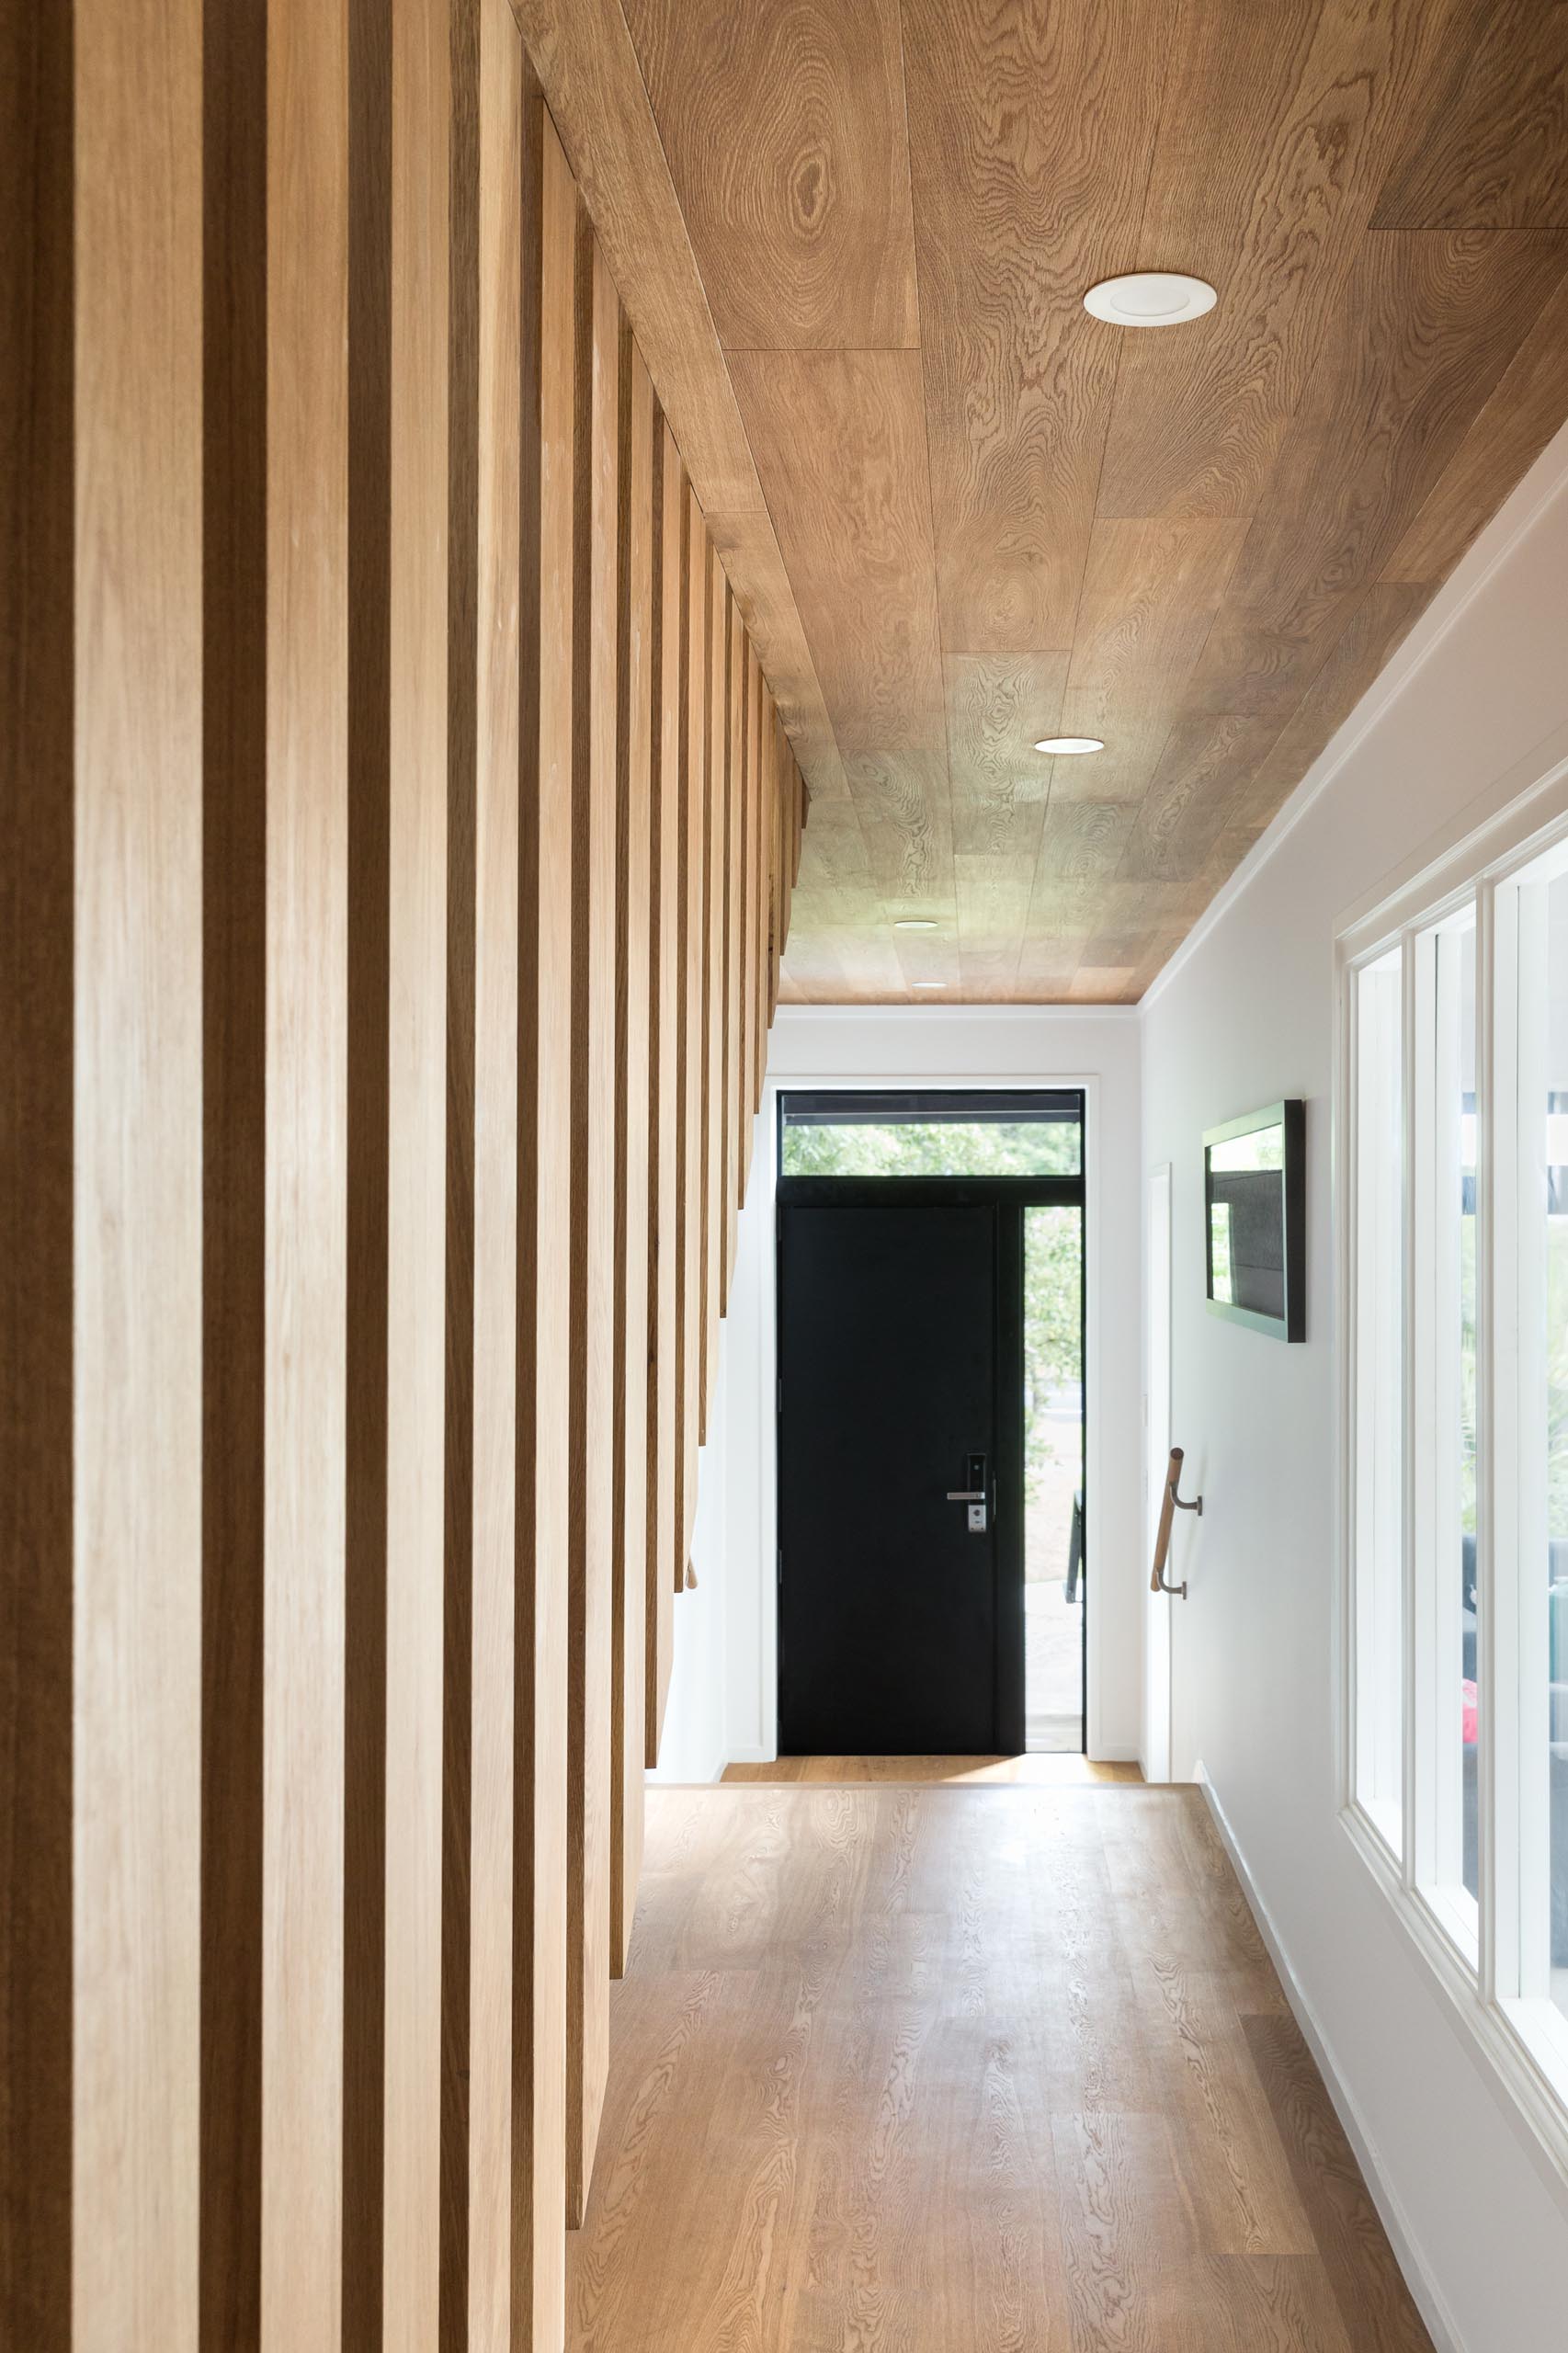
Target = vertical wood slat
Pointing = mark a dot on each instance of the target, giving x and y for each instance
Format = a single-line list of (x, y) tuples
[(635, 1003), (492, 655), (735, 1058), (757, 889), (665, 1421), (713, 1090), (233, 1167), (307, 164), (539, 1983), (133, 1344), (592, 1373), (409, 2167), (694, 582)]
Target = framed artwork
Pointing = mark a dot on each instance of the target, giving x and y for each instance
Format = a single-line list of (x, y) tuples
[(1254, 1210)]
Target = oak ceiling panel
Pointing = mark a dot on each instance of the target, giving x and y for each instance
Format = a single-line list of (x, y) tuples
[(1151, 591), (1080, 849), (999, 706), (749, 549), (1487, 148), (840, 442), (1031, 128), (1278, 122), (1204, 764), (785, 132), (1507, 436), (1427, 325)]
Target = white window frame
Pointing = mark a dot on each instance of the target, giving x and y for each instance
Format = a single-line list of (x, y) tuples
[(1475, 1952)]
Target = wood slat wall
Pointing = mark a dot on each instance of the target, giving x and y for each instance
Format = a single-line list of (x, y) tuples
[(397, 840)]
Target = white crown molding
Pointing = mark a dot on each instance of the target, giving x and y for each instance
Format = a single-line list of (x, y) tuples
[(788, 1016), (1514, 519)]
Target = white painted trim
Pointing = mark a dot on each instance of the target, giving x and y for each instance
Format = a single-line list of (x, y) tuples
[(1523, 2087), (1519, 515), (1418, 2273)]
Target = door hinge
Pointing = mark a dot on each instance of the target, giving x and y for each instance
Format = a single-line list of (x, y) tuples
[(778, 1395)]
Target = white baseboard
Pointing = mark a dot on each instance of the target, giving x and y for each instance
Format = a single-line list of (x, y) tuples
[(1430, 2301), (1114, 1751), (751, 1753)]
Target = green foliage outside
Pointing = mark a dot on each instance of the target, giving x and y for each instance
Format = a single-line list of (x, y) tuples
[(1052, 1237)]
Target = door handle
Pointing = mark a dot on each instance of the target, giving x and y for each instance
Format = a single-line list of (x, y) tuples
[(966, 1495)]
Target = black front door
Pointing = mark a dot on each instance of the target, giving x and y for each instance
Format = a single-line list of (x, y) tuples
[(900, 1597)]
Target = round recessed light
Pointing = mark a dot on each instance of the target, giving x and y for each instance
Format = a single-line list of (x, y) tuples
[(1150, 298), (914, 923), (1063, 743)]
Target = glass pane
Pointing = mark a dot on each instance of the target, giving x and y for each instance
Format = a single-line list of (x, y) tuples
[(1380, 1469), (1544, 1597), (878, 1135), (1053, 1478), (1443, 1403), (1461, 946), (1246, 1221)]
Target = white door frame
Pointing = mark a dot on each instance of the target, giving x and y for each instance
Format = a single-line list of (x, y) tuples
[(764, 1172), (1156, 1450)]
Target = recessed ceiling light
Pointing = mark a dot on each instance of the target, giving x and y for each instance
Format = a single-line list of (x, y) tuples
[(930, 984), (1071, 743), (1150, 298), (913, 923)]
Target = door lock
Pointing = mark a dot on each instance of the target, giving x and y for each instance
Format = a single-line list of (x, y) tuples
[(976, 1494)]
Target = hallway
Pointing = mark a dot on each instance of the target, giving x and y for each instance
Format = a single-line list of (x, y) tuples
[(964, 2070)]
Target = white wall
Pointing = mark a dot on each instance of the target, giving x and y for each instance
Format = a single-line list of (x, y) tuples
[(724, 1692), (1465, 715)]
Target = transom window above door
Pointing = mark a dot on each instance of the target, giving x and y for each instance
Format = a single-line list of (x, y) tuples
[(986, 1131)]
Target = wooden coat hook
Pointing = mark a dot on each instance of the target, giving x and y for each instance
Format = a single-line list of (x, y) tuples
[(1171, 1503)]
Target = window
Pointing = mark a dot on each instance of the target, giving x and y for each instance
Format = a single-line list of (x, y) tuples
[(1455, 1282), (1378, 1434), (935, 1133)]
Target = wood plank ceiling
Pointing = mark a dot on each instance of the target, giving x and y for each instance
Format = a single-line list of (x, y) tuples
[(962, 514)]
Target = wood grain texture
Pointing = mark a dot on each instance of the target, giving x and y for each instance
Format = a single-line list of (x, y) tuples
[(636, 1003), (233, 1171), (133, 1343), (592, 1471), (416, 1080), (843, 457), (900, 2146), (665, 1410), (1485, 142), (748, 548), (455, 2243), (1277, 127), (1427, 325), (545, 923), (493, 654), (789, 126), (714, 978), (307, 181), (696, 584), (1032, 132)]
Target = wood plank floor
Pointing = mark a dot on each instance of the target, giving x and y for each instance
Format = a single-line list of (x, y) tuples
[(948, 2069), (1047, 1771)]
